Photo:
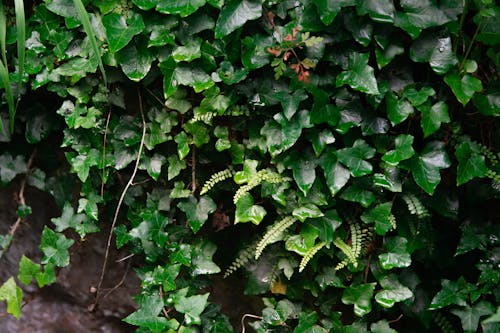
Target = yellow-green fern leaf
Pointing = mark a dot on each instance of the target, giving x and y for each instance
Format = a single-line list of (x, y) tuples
[(308, 256), (216, 178), (273, 233)]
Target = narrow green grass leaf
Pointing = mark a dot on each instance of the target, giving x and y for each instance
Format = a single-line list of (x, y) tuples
[(4, 77), (84, 18), (3, 34), (21, 39)]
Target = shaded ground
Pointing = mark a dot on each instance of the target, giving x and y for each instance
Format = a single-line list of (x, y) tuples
[(62, 307)]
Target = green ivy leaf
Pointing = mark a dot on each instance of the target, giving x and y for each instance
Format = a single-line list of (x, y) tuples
[(193, 77), (182, 145), (418, 97), (202, 262), (147, 315), (360, 75), (304, 171), (235, 14), (320, 140), (28, 270), (397, 109), (397, 253), (382, 326), (197, 211), (189, 52), (179, 191), (192, 307), (435, 50), (199, 133), (304, 241), (135, 61), (81, 223), (326, 225), (10, 167), (87, 204), (380, 215), (82, 163), (452, 293), (120, 30), (328, 9), (463, 87), (290, 102), (182, 7), (357, 192), (471, 163), (175, 165), (425, 168), (246, 211), (336, 174), (360, 295), (393, 292), (306, 212), (403, 150), (469, 316), (54, 247), (10, 292), (355, 158), (433, 117), (248, 173)]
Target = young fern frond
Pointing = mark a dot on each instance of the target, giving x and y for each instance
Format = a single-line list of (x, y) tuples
[(215, 179), (204, 117), (241, 260), (356, 238), (263, 175), (308, 256), (415, 206), (273, 234), (392, 220), (366, 239), (349, 253)]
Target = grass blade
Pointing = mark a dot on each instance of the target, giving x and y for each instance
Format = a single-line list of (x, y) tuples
[(4, 77), (84, 18), (3, 33), (4, 74), (21, 40)]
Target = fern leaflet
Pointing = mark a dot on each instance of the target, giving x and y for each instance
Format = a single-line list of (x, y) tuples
[(308, 256), (273, 234)]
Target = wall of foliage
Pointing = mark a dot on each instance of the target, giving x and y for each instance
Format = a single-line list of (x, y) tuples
[(338, 156)]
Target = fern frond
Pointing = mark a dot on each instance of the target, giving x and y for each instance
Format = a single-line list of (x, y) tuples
[(273, 234), (349, 253), (415, 206), (392, 220), (241, 260), (204, 117), (215, 179), (263, 175), (308, 256)]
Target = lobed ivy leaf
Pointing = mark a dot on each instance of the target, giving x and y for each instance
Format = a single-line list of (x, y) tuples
[(181, 7), (336, 174), (11, 167), (120, 29), (426, 167), (360, 295), (435, 50), (397, 253), (471, 163), (360, 75), (189, 52), (135, 61), (202, 262), (393, 291), (470, 315), (328, 9), (54, 247), (193, 77), (13, 295), (433, 117), (192, 307), (381, 326), (304, 171), (302, 242), (380, 216), (307, 211), (147, 316), (403, 150), (452, 293), (326, 225), (197, 211), (246, 211), (380, 11), (355, 158), (28, 270), (235, 14), (182, 145), (464, 87)]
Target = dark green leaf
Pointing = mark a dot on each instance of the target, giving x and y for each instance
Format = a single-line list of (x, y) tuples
[(182, 7), (192, 307), (193, 77), (426, 167), (10, 167), (471, 163), (463, 88), (182, 145), (403, 150), (307, 212), (397, 254), (393, 291), (120, 30), (197, 211), (336, 174), (380, 216), (202, 253), (451, 293), (361, 296), (397, 109), (359, 76), (328, 9), (135, 61), (381, 326), (355, 158), (433, 117), (28, 270), (235, 14), (148, 314), (326, 225), (435, 50), (189, 52), (304, 172), (380, 11), (469, 316), (246, 211)]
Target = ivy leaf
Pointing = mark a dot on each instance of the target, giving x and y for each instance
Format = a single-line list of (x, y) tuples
[(463, 88), (10, 292), (435, 50), (360, 295), (326, 225), (307, 211), (199, 133), (357, 192), (147, 315), (179, 191), (336, 174), (393, 292), (182, 7), (355, 158), (197, 211), (382, 326), (28, 270), (397, 109), (290, 103), (433, 117), (175, 165), (403, 150), (426, 167), (192, 307), (182, 145), (10, 167), (88, 204), (248, 173), (193, 77), (135, 61), (452, 293), (360, 75), (471, 163), (304, 172), (418, 97), (328, 9), (380, 11), (302, 242), (380, 215), (202, 253), (79, 222), (120, 30), (320, 140), (82, 163), (246, 211), (54, 247), (469, 316), (397, 254), (189, 52), (235, 14)]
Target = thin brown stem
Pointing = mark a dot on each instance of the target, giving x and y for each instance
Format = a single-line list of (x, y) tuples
[(120, 201), (104, 153), (395, 320), (243, 320)]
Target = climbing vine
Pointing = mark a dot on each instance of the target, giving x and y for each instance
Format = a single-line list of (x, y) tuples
[(359, 139)]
